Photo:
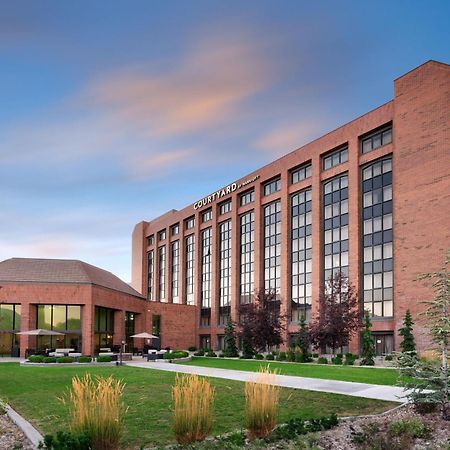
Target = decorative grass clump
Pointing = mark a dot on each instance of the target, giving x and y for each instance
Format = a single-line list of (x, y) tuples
[(261, 402), (96, 410), (192, 408)]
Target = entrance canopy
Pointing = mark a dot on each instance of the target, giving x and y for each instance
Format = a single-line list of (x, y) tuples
[(41, 332)]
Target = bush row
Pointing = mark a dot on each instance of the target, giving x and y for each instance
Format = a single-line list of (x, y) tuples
[(64, 359)]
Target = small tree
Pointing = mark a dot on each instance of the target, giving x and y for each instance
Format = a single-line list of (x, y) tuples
[(247, 348), (303, 340), (368, 346), (408, 344), (262, 322), (429, 382), (230, 348), (339, 314)]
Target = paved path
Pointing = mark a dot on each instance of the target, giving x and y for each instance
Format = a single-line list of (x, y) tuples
[(390, 393)]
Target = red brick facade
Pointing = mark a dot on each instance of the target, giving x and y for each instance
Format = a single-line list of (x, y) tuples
[(420, 151)]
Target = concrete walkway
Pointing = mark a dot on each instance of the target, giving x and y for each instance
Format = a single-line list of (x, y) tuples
[(377, 392)]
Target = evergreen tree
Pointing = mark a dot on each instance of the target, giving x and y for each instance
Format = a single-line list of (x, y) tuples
[(230, 349), (368, 347), (408, 344), (303, 340), (247, 349)]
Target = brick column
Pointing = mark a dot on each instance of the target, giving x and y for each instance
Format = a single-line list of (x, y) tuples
[(87, 329), (28, 322)]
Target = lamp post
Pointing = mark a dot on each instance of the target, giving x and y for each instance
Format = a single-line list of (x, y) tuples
[(121, 352)]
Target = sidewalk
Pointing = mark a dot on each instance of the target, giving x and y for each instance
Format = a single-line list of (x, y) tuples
[(377, 392)]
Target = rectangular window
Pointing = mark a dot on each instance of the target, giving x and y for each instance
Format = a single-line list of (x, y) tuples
[(175, 229), (377, 238), (190, 223), (162, 235), (272, 247), (224, 271), (206, 268), (189, 266), (272, 186), (162, 273), (225, 207), (247, 197), (301, 255), (335, 225), (301, 173), (10, 316), (376, 139), (247, 251), (150, 240), (175, 271), (150, 269), (335, 158), (206, 216)]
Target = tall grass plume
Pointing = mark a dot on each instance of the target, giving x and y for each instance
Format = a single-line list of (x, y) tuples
[(261, 403), (192, 408), (96, 409)]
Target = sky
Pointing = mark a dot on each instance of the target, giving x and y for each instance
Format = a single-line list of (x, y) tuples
[(115, 112)]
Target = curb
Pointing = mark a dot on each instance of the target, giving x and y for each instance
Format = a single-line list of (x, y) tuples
[(28, 430)]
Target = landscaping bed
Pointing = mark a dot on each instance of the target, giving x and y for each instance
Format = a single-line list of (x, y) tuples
[(11, 437)]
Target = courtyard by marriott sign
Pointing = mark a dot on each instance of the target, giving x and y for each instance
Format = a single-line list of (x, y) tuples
[(223, 192)]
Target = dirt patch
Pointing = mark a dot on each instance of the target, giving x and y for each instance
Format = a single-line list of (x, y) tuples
[(11, 437)]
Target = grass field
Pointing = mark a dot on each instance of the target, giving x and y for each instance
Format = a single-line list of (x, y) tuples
[(328, 372), (34, 392)]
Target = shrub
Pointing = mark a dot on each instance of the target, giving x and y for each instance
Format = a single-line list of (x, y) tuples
[(211, 354), (270, 357), (192, 348), (413, 427), (337, 360), (65, 360), (96, 410), (199, 353), (104, 358), (176, 355), (84, 359), (221, 355), (281, 356), (322, 360), (49, 359), (290, 355), (298, 426), (388, 357), (66, 440), (261, 401), (192, 408), (315, 355), (36, 358), (259, 356), (350, 359)]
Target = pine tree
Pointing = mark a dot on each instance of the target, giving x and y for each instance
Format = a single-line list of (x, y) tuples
[(408, 344), (247, 349), (230, 348), (368, 347), (303, 340)]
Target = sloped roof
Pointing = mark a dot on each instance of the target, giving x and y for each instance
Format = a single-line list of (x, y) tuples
[(32, 270)]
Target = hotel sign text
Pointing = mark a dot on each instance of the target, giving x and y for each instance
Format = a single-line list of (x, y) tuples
[(223, 192)]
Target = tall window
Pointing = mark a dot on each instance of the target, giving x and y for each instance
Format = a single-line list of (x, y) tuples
[(150, 275), (10, 319), (335, 158), (189, 223), (247, 250), (206, 278), (175, 271), (335, 201), (150, 240), (207, 215), (224, 271), (190, 258), (272, 246), (162, 273), (301, 241), (377, 238)]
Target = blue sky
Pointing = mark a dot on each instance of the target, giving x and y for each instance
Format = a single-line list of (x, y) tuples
[(114, 112)]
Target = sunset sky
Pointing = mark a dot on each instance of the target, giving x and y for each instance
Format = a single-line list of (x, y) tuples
[(113, 112)]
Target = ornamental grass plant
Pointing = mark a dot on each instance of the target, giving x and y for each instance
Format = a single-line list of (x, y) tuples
[(192, 408), (261, 403), (96, 410)]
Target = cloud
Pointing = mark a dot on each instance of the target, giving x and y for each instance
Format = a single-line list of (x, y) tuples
[(290, 136)]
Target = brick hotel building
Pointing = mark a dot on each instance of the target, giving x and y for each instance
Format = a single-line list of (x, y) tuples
[(370, 199)]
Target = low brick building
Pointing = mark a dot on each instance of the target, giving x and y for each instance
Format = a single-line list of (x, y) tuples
[(91, 307)]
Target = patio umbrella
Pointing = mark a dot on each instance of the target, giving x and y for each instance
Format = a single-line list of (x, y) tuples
[(41, 332), (145, 335)]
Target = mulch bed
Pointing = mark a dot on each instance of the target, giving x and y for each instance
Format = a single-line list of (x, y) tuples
[(11, 437)]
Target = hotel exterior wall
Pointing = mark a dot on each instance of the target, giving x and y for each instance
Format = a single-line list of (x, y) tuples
[(412, 173)]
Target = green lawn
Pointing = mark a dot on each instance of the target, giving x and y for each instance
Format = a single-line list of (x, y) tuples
[(327, 372), (34, 392)]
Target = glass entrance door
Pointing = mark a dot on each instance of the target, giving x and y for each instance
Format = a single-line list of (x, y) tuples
[(384, 343)]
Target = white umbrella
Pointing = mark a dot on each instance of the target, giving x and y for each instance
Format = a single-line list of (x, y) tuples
[(145, 335), (41, 332)]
